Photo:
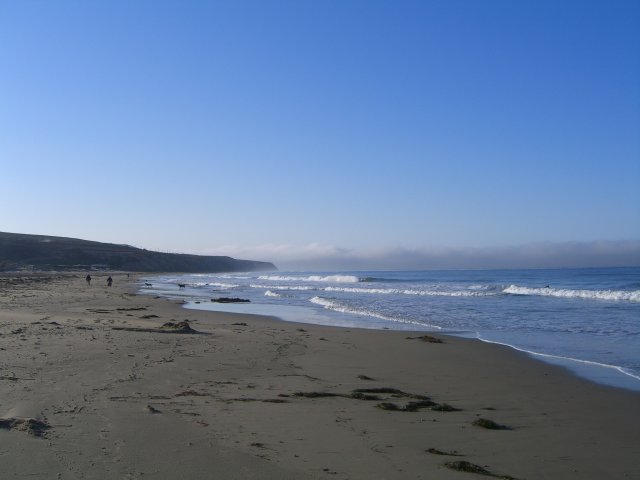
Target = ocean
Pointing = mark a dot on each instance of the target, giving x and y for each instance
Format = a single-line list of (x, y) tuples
[(587, 320)]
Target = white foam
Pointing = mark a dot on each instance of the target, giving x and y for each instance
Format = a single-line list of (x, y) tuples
[(380, 291), (269, 293), (223, 285), (397, 291), (338, 307), (613, 295), (201, 284), (282, 287), (312, 278), (326, 303)]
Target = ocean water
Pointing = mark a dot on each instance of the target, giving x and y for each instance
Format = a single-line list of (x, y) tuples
[(587, 320)]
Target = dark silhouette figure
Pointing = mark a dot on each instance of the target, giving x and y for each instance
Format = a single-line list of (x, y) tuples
[(109, 281), (88, 279)]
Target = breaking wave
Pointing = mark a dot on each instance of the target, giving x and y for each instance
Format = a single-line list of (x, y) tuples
[(312, 278), (339, 307), (283, 287), (612, 295), (399, 291), (222, 285), (269, 293), (208, 284)]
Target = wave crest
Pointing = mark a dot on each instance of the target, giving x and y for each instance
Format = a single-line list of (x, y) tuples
[(424, 293), (222, 285), (312, 278), (282, 287), (612, 295), (339, 307)]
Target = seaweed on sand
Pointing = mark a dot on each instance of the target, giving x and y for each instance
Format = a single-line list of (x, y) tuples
[(394, 392), (191, 393), (354, 395), (33, 426), (230, 300), (489, 424), (435, 451), (315, 394), (417, 406), (419, 402), (169, 327), (178, 327), (444, 407), (426, 338), (463, 466), (362, 396)]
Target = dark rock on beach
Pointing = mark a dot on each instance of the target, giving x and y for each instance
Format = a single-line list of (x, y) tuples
[(32, 426), (230, 300), (178, 327)]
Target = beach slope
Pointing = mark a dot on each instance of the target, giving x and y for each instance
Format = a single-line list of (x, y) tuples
[(99, 382)]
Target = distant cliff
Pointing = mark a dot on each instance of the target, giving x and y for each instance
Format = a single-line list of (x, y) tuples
[(41, 252)]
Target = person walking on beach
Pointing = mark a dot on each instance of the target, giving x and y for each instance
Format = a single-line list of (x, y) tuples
[(88, 279), (109, 281)]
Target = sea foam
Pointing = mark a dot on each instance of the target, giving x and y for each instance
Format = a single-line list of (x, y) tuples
[(398, 291), (312, 278), (222, 285), (283, 287), (339, 307), (612, 295)]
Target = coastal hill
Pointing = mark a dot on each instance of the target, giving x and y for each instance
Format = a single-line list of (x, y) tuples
[(43, 252)]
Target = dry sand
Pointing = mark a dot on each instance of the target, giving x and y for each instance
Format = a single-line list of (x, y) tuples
[(91, 387)]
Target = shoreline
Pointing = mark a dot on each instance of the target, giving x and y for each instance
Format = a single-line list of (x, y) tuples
[(229, 396), (593, 371), (594, 338), (619, 378)]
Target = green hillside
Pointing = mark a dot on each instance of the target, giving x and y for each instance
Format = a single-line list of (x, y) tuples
[(42, 252)]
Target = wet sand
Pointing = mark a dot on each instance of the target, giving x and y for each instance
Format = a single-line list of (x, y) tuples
[(93, 386)]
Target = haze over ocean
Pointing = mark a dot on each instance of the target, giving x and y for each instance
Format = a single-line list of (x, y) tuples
[(327, 135)]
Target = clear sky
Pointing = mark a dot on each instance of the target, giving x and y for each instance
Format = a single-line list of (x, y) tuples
[(306, 132)]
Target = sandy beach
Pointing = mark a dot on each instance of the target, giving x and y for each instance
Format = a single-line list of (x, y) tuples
[(99, 382)]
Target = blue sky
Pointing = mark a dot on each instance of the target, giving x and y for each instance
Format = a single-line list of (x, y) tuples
[(311, 133)]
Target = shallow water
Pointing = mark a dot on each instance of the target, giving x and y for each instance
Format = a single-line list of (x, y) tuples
[(585, 319)]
